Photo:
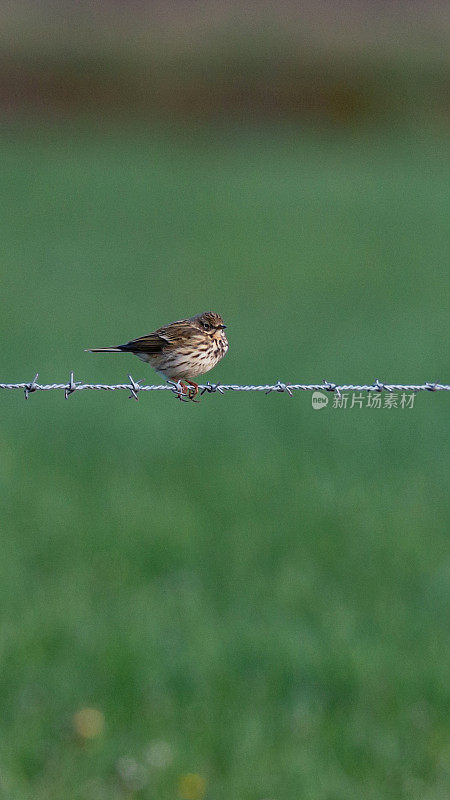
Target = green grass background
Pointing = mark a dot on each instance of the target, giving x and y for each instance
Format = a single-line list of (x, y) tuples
[(261, 586)]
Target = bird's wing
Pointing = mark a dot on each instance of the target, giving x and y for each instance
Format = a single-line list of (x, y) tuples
[(163, 338), (151, 343)]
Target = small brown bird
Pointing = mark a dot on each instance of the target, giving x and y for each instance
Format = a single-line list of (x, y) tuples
[(181, 350)]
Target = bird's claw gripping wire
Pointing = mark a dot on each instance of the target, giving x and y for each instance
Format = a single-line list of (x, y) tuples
[(184, 392)]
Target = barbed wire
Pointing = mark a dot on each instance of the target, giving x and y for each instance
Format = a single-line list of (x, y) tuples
[(177, 388)]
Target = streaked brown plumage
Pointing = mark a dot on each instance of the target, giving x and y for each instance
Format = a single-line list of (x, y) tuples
[(181, 350)]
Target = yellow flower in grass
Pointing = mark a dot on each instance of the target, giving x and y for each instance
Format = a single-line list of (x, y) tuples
[(191, 786), (88, 723)]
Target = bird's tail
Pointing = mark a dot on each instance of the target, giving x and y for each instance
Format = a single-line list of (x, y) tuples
[(105, 350)]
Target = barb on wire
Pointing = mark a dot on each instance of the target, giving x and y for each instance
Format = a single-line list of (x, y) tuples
[(134, 387), (71, 387), (31, 387)]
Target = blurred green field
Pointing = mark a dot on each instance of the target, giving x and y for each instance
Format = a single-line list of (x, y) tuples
[(256, 592)]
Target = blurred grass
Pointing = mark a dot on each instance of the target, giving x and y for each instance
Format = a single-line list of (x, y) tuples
[(262, 588)]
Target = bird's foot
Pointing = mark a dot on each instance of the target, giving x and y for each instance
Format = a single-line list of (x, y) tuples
[(192, 390), (184, 392)]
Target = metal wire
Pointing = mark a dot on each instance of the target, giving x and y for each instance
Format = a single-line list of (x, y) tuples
[(134, 387)]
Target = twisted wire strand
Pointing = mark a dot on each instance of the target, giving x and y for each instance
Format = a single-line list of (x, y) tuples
[(134, 387)]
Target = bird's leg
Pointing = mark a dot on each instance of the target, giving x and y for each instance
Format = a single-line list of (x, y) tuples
[(192, 392), (185, 393)]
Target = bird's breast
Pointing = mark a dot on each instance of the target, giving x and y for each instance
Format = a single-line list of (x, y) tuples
[(191, 360)]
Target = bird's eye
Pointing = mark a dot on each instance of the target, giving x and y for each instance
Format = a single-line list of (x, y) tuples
[(206, 326)]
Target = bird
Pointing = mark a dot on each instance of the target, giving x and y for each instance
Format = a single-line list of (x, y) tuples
[(181, 350)]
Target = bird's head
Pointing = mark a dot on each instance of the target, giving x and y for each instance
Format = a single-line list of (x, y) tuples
[(210, 324)]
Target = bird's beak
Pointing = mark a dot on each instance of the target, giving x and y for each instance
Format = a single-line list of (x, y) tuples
[(223, 327)]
